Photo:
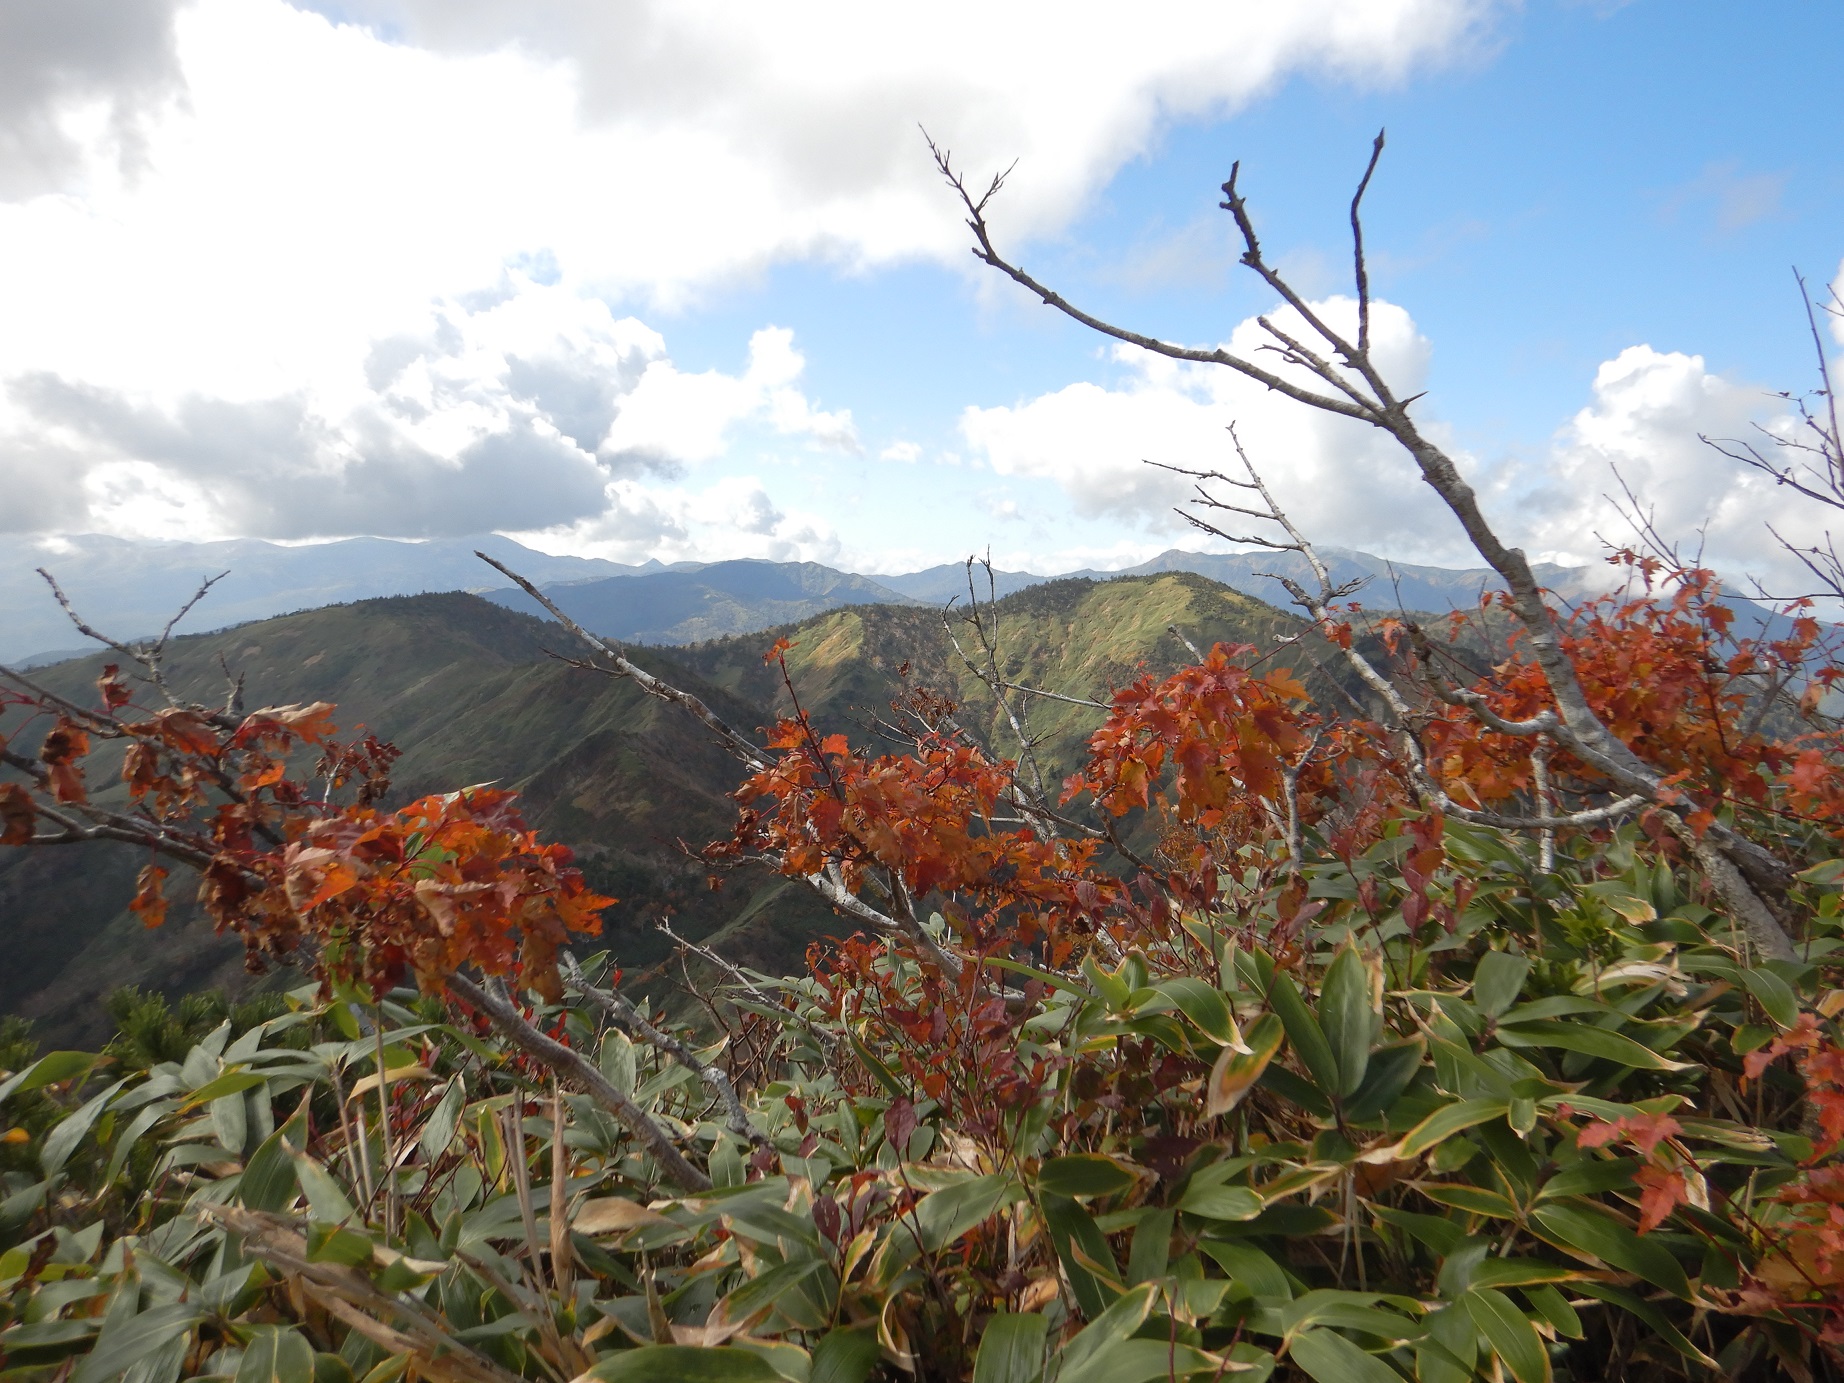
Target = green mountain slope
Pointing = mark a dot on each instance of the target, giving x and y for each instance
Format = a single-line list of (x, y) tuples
[(465, 688)]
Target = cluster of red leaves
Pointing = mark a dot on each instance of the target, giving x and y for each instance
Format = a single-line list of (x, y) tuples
[(1665, 673), (1661, 1178), (1804, 1252), (954, 1042), (924, 819), (310, 868), (1229, 734), (445, 882)]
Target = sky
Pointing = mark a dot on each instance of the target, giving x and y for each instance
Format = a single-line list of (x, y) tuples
[(678, 280)]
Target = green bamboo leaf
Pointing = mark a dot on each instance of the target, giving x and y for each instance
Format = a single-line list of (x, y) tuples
[(1199, 1002), (325, 1200), (1117, 1322), (1112, 985), (62, 1141), (47, 1335), (1513, 1337), (1221, 1202), (1392, 1067), (1347, 1018), (1449, 1350), (1328, 1357), (1248, 1267), (760, 1293), (1235, 1072), (684, 1364), (1475, 1200), (1522, 1272), (1441, 1125), (1589, 1041), (148, 1116), (1774, 995), (1151, 1250), (1554, 1308), (1650, 1315), (1591, 1178), (1084, 1252), (439, 1132), (1591, 1234), (230, 1121), (127, 1340), (1304, 1032), (1142, 1361), (230, 1083), (1498, 980), (1084, 1174), (268, 1181), (276, 1354), (943, 1216), (847, 1354), (50, 1069), (1011, 1350)]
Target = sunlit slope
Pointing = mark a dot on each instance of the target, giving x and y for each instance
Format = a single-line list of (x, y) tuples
[(1078, 638)]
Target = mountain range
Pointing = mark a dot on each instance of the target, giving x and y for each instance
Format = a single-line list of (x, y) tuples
[(130, 589), (465, 688)]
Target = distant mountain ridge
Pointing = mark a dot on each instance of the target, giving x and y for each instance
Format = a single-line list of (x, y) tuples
[(708, 602), (131, 589)]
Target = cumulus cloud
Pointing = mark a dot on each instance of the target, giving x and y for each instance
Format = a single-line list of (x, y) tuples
[(320, 184), (1644, 425), (527, 408), (817, 105), (731, 517), (1344, 482), (1349, 485)]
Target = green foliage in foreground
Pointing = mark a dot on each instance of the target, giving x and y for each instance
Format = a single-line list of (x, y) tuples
[(1399, 1186)]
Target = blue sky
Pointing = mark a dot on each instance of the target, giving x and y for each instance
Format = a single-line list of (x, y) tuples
[(677, 283), (1602, 175)]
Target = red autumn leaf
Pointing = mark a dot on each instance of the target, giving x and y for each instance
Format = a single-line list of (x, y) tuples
[(776, 649), (114, 694), (1597, 1135), (899, 1123), (1662, 1190)]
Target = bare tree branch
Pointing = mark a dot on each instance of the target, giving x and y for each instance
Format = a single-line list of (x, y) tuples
[(573, 1066), (738, 743), (633, 1022)]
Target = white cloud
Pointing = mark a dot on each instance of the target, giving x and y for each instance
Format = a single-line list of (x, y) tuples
[(531, 407), (908, 453), (732, 517), (1349, 485), (80, 77), (1649, 411), (1343, 482)]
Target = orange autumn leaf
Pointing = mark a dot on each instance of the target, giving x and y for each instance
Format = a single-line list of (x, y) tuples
[(149, 901), (17, 814)]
